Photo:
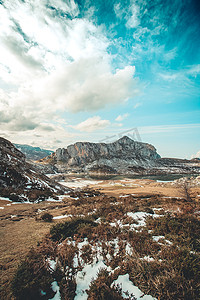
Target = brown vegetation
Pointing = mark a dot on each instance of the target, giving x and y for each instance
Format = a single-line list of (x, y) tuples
[(172, 271)]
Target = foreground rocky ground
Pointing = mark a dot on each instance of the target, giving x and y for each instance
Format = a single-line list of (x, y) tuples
[(139, 236)]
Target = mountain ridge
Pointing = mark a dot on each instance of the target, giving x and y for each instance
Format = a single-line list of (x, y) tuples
[(33, 153), (124, 156)]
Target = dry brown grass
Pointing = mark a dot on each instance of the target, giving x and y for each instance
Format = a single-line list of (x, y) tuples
[(141, 187), (18, 234)]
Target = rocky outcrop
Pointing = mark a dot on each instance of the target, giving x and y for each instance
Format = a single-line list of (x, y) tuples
[(110, 158), (124, 156), (19, 180)]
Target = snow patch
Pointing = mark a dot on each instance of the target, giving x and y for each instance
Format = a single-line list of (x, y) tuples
[(56, 289), (62, 217), (127, 285), (84, 278)]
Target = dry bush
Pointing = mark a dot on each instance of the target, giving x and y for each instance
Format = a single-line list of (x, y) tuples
[(65, 254), (32, 277), (46, 217), (80, 226), (101, 289)]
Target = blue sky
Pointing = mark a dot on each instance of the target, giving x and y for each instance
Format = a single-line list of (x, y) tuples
[(92, 70)]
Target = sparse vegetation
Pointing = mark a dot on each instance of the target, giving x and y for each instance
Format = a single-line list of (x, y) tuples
[(166, 268)]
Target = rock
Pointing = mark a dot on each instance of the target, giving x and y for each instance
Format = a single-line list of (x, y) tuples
[(19, 180), (125, 156), (115, 157)]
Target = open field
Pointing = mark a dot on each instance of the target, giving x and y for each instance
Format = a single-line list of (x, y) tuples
[(114, 204)]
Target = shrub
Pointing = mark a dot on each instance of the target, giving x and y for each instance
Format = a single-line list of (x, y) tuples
[(75, 226), (101, 289), (67, 289), (32, 279), (185, 230), (46, 217)]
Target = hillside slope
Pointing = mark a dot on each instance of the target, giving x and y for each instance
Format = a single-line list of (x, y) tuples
[(19, 180)]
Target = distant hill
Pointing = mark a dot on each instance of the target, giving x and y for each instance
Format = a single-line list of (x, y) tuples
[(33, 153)]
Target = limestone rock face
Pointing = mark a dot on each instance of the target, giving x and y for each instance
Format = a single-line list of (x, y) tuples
[(125, 156), (117, 156)]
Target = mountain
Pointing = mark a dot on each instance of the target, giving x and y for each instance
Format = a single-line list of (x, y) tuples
[(121, 155), (33, 153), (125, 156), (19, 180)]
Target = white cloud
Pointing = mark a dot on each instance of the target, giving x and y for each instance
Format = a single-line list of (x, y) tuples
[(51, 65), (121, 117), (169, 77), (134, 19), (92, 124), (194, 70), (167, 128), (131, 15)]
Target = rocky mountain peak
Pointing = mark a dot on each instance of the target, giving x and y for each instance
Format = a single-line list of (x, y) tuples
[(125, 140), (114, 156)]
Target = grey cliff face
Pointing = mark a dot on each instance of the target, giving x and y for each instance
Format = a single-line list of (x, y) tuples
[(125, 156), (117, 155)]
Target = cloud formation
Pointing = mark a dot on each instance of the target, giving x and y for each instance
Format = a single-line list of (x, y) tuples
[(55, 62), (121, 117), (92, 124)]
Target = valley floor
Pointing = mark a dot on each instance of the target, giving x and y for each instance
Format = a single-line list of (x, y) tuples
[(141, 232)]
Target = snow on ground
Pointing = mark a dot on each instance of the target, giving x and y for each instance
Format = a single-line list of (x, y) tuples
[(127, 285), (128, 249), (90, 271), (52, 263), (5, 199), (56, 289), (54, 200), (1, 207), (140, 218), (147, 258), (62, 217), (84, 278), (157, 238)]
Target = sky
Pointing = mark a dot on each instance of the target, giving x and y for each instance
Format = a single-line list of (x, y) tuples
[(95, 70)]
